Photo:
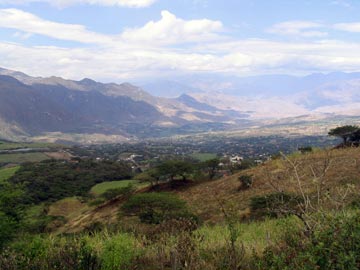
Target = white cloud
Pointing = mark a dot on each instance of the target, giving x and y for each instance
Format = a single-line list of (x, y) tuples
[(348, 27), (29, 23), (170, 29), (22, 35), (143, 52), (66, 3), (298, 28)]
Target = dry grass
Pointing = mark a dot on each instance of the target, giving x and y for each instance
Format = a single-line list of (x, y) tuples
[(68, 208), (275, 175), (204, 199)]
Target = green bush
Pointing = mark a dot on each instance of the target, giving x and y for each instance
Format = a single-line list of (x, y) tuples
[(8, 226), (334, 245), (153, 208), (119, 253), (45, 253)]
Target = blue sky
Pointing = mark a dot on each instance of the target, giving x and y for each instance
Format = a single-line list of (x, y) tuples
[(117, 40)]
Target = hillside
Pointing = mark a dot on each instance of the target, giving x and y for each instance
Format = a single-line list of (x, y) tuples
[(337, 169)]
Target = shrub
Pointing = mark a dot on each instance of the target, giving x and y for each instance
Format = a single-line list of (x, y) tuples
[(305, 149), (274, 205), (154, 208), (8, 226), (246, 181), (335, 245), (119, 253)]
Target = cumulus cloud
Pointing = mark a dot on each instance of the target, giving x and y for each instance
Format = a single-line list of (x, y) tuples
[(170, 29), (145, 51), (298, 28), (29, 23), (66, 3)]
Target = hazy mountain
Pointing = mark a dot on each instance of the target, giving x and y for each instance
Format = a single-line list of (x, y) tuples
[(54, 108), (35, 105), (277, 96), (169, 89)]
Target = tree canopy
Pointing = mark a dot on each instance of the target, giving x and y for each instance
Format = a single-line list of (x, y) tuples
[(344, 132)]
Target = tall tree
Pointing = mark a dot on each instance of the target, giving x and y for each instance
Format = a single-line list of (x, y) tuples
[(344, 132)]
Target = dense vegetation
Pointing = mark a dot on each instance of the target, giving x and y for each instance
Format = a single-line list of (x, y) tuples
[(53, 180)]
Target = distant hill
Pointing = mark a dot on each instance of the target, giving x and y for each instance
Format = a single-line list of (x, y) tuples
[(273, 96), (34, 106), (86, 110)]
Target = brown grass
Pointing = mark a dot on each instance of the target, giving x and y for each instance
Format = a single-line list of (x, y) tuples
[(205, 198), (275, 175)]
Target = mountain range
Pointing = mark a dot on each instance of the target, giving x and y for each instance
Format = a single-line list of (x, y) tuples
[(33, 106), (38, 107)]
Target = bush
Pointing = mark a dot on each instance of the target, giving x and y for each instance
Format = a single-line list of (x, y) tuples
[(119, 253), (44, 253), (305, 149), (154, 208), (335, 245), (8, 226), (246, 181), (274, 205)]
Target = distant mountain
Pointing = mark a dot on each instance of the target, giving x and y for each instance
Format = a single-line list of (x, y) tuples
[(169, 89), (33, 106), (277, 96), (36, 106), (48, 108)]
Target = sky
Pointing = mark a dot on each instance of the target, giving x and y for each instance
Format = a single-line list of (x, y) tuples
[(127, 40)]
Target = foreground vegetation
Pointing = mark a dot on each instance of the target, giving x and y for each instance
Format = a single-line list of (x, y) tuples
[(270, 244)]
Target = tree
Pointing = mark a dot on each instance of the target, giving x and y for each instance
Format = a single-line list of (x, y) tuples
[(152, 176), (211, 167), (11, 211), (344, 132), (173, 168), (154, 208)]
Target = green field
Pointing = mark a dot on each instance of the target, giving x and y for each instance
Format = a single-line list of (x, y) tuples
[(22, 157), (7, 173), (203, 156), (102, 187), (15, 145)]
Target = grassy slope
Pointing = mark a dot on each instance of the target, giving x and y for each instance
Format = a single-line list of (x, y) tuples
[(23, 157), (6, 173), (274, 176), (205, 198), (15, 145), (67, 207), (102, 187)]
